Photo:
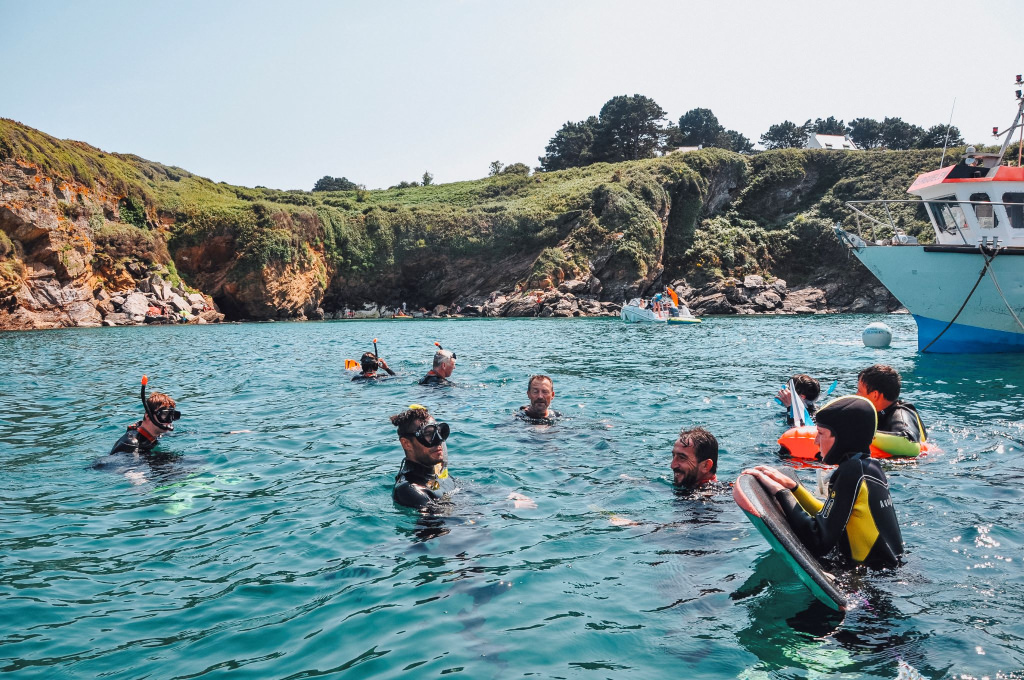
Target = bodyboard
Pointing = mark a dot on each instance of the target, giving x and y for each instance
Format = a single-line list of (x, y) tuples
[(766, 515)]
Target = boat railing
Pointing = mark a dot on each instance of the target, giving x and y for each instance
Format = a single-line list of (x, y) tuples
[(900, 237)]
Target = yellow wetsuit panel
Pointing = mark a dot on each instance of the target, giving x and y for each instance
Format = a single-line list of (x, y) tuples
[(807, 501), (860, 529)]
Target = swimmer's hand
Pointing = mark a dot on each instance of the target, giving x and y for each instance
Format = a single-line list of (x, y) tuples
[(771, 479), (784, 396), (521, 501)]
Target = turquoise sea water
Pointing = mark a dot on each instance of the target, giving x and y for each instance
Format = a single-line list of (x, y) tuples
[(276, 552)]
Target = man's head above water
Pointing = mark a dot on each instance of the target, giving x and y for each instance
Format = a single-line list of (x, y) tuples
[(444, 363), (421, 437), (694, 458), (540, 391)]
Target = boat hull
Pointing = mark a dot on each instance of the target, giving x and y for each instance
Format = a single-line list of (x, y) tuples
[(933, 284), (632, 314)]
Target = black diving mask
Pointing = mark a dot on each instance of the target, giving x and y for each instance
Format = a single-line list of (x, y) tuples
[(166, 416), (433, 434)]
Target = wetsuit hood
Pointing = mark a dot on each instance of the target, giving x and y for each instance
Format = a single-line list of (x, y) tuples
[(852, 421)]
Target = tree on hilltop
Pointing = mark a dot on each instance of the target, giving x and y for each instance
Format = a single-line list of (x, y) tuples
[(899, 134), (428, 179), (494, 168), (572, 146), (829, 126), (733, 141), (866, 132), (785, 135), (699, 127), (630, 128), (516, 169), (935, 137), (328, 183)]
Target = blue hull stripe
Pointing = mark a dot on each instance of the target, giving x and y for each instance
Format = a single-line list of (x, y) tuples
[(960, 339)]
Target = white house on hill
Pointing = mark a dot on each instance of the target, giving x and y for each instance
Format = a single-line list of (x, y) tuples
[(818, 141)]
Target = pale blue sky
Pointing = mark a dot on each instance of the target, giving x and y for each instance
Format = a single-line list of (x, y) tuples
[(280, 94)]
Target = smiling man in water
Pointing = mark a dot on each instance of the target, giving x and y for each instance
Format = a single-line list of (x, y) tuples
[(695, 458)]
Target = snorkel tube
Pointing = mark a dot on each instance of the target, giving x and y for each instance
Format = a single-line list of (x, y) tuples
[(149, 411), (145, 402)]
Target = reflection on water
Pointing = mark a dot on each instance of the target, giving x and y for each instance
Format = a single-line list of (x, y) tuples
[(263, 537)]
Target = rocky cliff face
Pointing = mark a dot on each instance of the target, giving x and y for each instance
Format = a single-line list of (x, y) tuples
[(51, 274), (80, 234)]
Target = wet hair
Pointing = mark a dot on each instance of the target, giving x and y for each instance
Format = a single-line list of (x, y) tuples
[(540, 377), (806, 386), (704, 445), (442, 356), (368, 362), (408, 421), (159, 400), (881, 378)]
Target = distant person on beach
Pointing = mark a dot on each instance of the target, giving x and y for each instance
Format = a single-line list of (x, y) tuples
[(807, 388), (370, 363), (423, 477), (444, 364), (141, 437), (881, 385), (540, 390), (695, 459), (858, 517)]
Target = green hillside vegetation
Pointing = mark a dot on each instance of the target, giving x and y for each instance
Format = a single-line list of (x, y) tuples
[(777, 219)]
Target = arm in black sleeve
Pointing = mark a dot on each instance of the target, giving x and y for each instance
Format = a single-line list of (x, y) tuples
[(821, 532), (904, 423), (411, 495)]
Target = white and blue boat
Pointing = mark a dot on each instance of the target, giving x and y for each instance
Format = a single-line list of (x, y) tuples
[(966, 290)]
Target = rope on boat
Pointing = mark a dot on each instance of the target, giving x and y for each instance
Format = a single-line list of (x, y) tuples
[(988, 261), (1006, 302)]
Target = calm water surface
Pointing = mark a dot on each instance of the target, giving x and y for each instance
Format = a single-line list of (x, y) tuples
[(276, 552)]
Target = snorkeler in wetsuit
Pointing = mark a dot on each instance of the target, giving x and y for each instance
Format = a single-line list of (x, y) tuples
[(858, 517), (370, 363), (444, 364), (540, 390), (881, 385), (423, 477), (142, 436)]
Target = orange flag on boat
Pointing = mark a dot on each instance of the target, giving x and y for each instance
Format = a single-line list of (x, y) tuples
[(672, 294)]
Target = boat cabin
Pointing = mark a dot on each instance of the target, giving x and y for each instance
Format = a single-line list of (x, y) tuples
[(977, 199)]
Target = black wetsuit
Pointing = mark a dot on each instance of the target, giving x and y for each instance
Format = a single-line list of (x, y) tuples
[(432, 378), (134, 441), (417, 486), (362, 377), (901, 419), (549, 419), (858, 516)]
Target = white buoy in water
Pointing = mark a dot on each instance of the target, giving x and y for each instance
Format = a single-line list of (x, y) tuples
[(876, 335)]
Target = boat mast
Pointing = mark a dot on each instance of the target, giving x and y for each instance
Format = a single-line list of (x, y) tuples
[(1016, 124)]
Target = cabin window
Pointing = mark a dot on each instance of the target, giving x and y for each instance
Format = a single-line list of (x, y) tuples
[(1015, 209), (949, 216), (986, 215)]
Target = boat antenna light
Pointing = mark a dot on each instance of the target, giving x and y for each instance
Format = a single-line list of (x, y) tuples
[(1019, 81)]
